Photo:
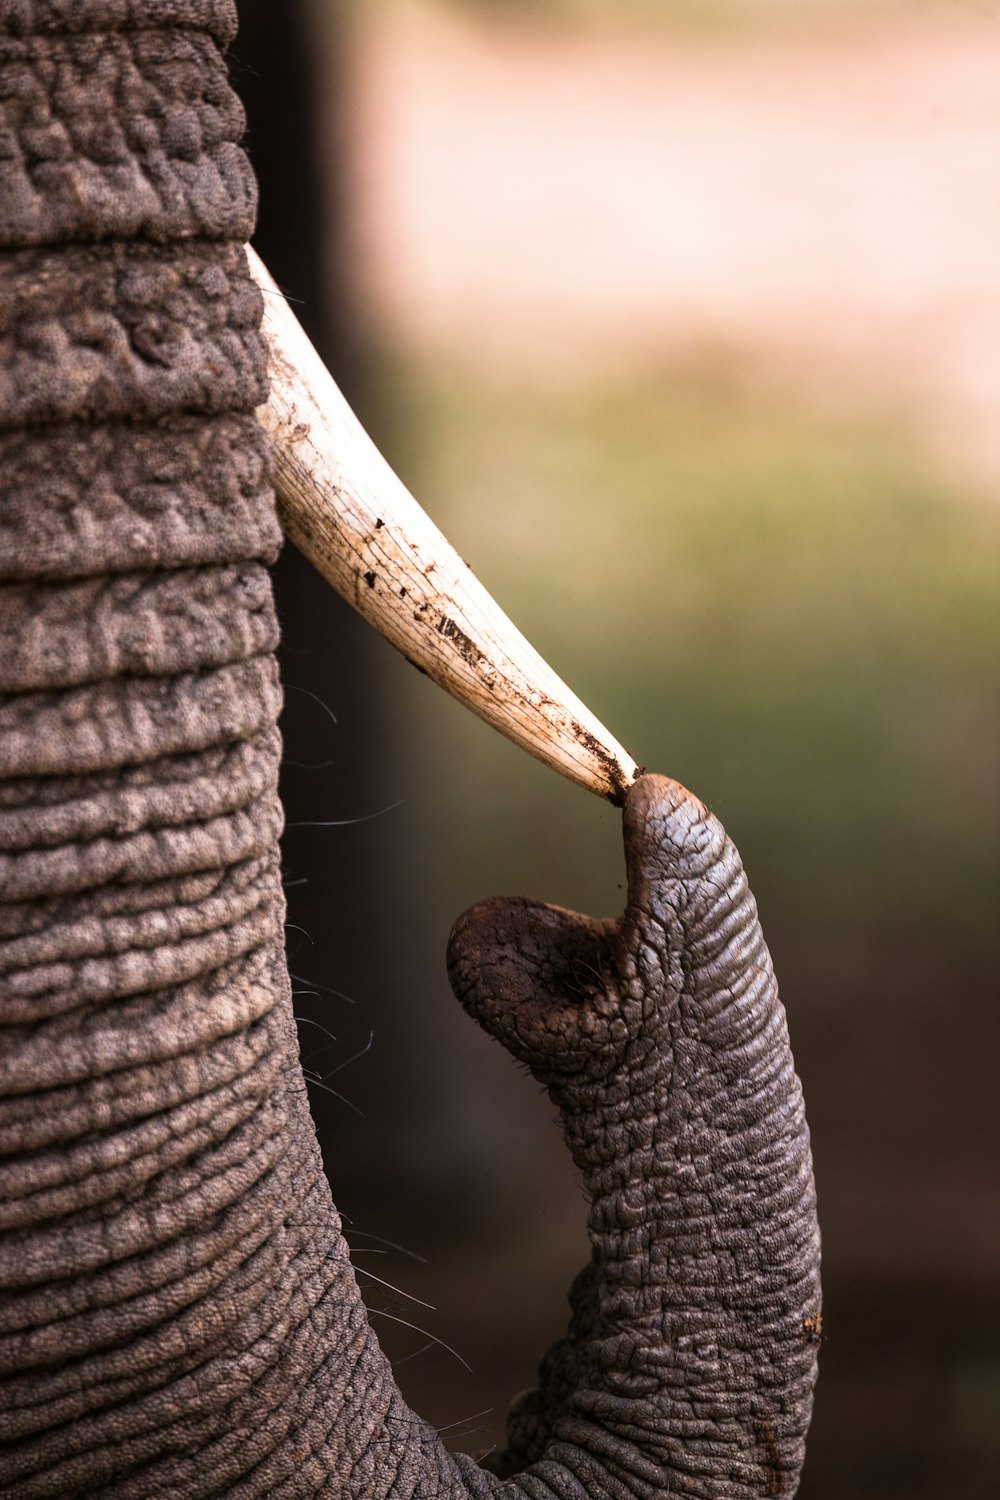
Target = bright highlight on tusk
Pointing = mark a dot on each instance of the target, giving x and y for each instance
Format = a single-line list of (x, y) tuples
[(342, 505)]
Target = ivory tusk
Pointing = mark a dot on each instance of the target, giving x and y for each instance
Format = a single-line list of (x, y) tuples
[(342, 505)]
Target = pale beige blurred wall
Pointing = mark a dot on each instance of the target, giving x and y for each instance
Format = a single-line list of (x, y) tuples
[(822, 197)]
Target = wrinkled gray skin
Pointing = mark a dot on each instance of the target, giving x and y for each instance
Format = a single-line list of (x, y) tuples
[(180, 1315)]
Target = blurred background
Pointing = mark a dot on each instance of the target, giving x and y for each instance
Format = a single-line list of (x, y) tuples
[(682, 319)]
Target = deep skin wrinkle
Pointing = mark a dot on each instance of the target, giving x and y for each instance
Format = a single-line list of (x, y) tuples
[(179, 1316)]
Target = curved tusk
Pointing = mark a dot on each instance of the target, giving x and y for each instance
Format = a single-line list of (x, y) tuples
[(342, 505)]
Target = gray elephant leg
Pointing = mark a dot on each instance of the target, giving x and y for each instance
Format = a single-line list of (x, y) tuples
[(180, 1316)]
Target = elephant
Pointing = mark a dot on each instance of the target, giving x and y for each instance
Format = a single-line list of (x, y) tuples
[(180, 1314)]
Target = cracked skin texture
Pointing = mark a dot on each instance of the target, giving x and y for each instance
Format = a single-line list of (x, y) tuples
[(180, 1317)]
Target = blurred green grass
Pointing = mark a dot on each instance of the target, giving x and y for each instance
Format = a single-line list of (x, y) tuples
[(792, 608)]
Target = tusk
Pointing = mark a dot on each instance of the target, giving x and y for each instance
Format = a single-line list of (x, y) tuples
[(342, 505)]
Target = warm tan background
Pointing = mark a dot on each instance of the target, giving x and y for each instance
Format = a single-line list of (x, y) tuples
[(683, 320)]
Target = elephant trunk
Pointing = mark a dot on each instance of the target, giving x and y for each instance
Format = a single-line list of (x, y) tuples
[(691, 1356), (180, 1316), (169, 1253)]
